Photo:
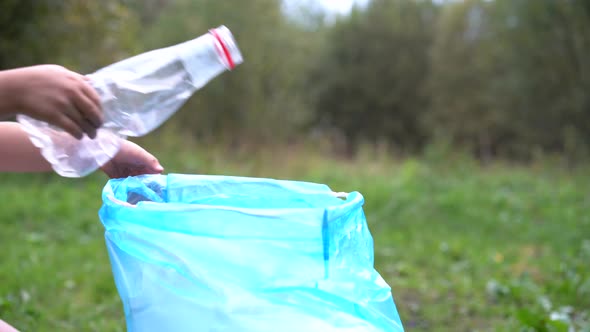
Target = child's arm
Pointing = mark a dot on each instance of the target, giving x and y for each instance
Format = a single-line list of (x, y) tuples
[(19, 155), (4, 327)]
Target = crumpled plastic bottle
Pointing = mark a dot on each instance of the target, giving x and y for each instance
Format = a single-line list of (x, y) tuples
[(137, 94)]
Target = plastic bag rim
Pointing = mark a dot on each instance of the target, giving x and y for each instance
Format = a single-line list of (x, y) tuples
[(350, 200)]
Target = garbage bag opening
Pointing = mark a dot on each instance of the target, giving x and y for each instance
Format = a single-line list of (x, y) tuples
[(225, 191)]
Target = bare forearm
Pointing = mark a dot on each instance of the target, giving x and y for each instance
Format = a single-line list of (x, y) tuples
[(17, 152), (4, 327), (9, 93)]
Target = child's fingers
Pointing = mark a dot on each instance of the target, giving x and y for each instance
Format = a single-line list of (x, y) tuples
[(88, 104), (69, 126)]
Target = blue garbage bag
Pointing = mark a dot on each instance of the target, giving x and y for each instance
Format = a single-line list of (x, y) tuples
[(218, 253)]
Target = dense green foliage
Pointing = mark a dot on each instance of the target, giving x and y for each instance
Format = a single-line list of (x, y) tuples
[(497, 78), (370, 82), (511, 77), (77, 34)]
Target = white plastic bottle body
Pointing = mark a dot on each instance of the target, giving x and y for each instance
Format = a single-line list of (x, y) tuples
[(137, 95)]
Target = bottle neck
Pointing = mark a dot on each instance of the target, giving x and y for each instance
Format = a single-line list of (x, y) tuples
[(226, 47), (209, 55)]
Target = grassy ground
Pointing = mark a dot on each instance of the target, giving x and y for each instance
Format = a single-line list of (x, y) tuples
[(464, 248)]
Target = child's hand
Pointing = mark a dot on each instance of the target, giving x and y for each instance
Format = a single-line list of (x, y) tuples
[(130, 161), (52, 94)]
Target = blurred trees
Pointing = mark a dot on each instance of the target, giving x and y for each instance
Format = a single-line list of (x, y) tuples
[(460, 82), (82, 35), (506, 78), (509, 77), (370, 81), (499, 78)]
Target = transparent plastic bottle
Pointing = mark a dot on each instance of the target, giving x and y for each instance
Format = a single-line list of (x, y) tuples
[(137, 95)]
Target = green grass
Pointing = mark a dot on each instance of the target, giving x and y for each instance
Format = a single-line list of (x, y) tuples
[(464, 248)]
